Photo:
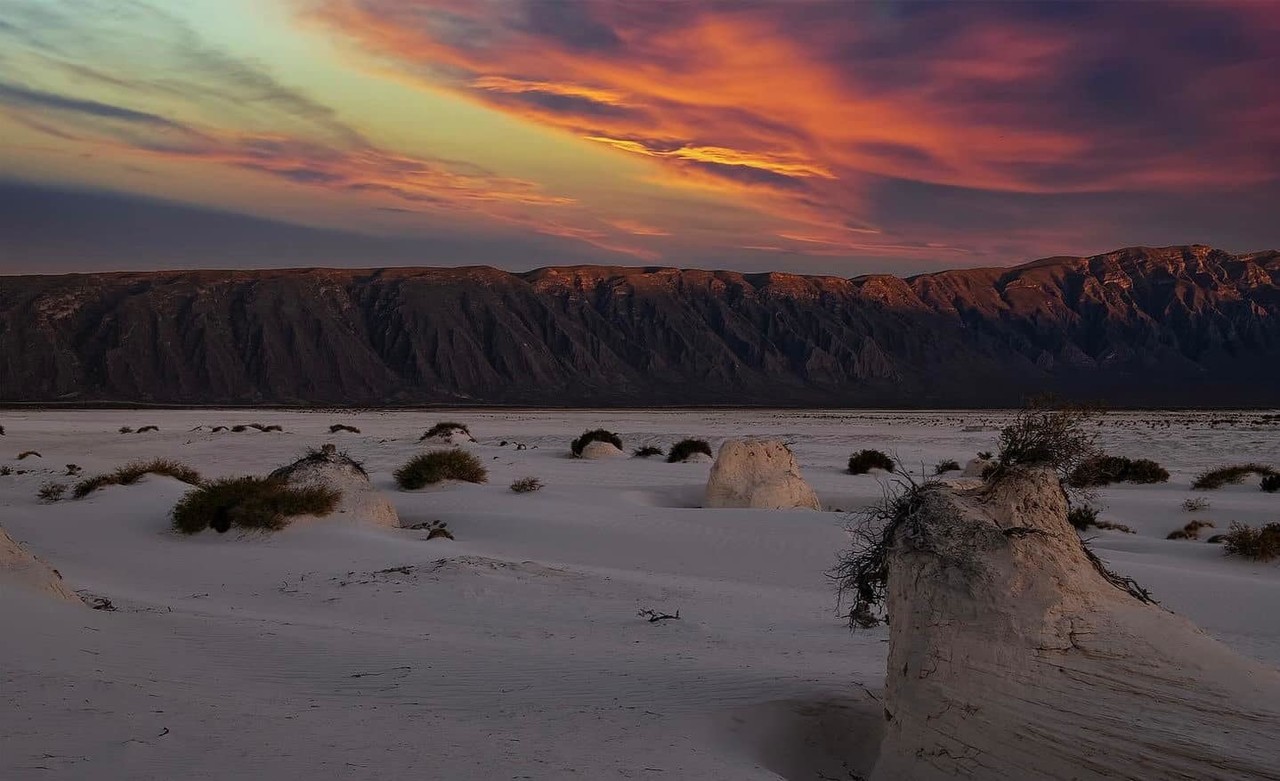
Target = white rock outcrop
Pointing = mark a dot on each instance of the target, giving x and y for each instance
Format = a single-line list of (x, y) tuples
[(360, 500), (760, 474), (598, 449), (1012, 656), (20, 569)]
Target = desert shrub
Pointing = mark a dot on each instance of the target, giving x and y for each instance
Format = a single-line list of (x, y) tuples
[(1229, 475), (1271, 483), (1083, 517), (73, 470), (687, 447), (1119, 527), (28, 454), (145, 429), (1, 431), (126, 430), (444, 427), (595, 435), (336, 427), (436, 465), (1044, 435), (132, 472), (865, 460), (986, 455), (272, 427), (51, 492), (1195, 504), (6, 470), (325, 454), (948, 465), (526, 485), (239, 428), (1190, 532), (1258, 544), (262, 503), (1105, 470), (217, 429), (648, 451)]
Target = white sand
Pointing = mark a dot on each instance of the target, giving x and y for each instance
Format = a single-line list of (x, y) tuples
[(347, 649)]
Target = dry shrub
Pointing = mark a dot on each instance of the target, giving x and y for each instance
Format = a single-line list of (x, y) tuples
[(1083, 518), (27, 454), (51, 492), (1047, 435), (1105, 470), (1258, 544), (526, 485), (865, 460), (443, 428), (336, 427), (648, 451), (1271, 483), (947, 465), (1230, 475), (1191, 531), (438, 465), (687, 447), (250, 503), (133, 472), (595, 435), (1195, 504)]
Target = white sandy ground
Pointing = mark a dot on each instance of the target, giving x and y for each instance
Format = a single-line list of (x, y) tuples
[(348, 650)]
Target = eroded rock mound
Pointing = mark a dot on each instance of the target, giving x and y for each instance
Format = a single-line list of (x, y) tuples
[(598, 449), (19, 568), (761, 474), (329, 468), (1014, 655)]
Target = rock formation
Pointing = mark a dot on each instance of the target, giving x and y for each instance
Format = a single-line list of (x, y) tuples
[(1013, 655), (761, 474), (360, 500), (1179, 326), (597, 449), (22, 570)]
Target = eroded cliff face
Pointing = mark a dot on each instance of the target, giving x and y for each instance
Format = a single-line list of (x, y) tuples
[(1180, 325)]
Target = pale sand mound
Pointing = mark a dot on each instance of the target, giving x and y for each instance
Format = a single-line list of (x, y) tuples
[(329, 468), (21, 569), (976, 467), (598, 449), (760, 474), (1012, 657)]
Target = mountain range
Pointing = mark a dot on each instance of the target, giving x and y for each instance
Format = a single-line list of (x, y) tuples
[(1173, 326)]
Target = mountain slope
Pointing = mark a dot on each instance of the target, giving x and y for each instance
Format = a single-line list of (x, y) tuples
[(1178, 325)]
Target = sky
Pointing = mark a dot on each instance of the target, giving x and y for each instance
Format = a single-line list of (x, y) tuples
[(817, 136)]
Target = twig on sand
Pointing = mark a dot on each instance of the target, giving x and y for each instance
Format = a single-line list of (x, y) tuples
[(654, 616)]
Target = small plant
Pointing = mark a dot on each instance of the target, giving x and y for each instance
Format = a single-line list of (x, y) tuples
[(336, 427), (1191, 531), (1271, 483), (28, 453), (526, 485), (438, 529), (1118, 527), (132, 472), (1044, 435), (1083, 517), (239, 428), (1, 431), (1105, 470), (437, 465), (865, 460), (6, 470), (263, 503), (1230, 475), (444, 429), (1258, 544), (1195, 504), (948, 465), (145, 429), (217, 429), (126, 430), (687, 447), (595, 435), (648, 451), (73, 470), (51, 492)]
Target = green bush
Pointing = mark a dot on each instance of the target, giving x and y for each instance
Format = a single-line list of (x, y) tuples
[(262, 503), (865, 460), (436, 465), (132, 472), (647, 451), (595, 435), (687, 447), (1229, 475), (948, 465), (1252, 543), (1105, 470)]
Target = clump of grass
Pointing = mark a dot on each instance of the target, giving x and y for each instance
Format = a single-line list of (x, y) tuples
[(51, 492), (217, 429), (437, 465), (126, 429), (1119, 527), (1271, 483), (1, 431), (336, 427), (443, 428), (28, 454), (687, 447), (865, 460), (1190, 532), (132, 472), (1258, 544), (239, 428), (6, 470), (1230, 475), (526, 485), (1195, 504), (1083, 517), (73, 470), (595, 435), (648, 451), (1045, 435), (947, 465), (145, 429), (325, 454), (261, 503), (1105, 470)]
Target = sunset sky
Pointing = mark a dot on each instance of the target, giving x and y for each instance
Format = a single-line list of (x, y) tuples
[(834, 137)]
